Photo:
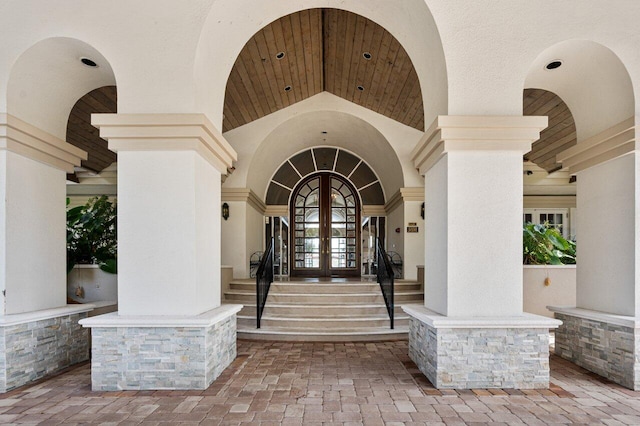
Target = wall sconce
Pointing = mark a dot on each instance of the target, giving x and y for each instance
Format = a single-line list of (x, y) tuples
[(225, 211), (422, 211)]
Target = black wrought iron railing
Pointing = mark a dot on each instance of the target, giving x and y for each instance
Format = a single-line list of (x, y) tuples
[(264, 278), (385, 278)]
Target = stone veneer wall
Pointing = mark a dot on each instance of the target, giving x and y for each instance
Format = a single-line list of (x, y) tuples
[(610, 350), (144, 358), (468, 358), (36, 349)]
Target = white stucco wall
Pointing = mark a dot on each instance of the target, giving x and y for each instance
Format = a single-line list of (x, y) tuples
[(607, 218), (561, 290), (395, 240), (242, 235), (413, 242), (34, 262)]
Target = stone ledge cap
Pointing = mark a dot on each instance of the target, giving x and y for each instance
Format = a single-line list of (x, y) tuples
[(15, 319), (437, 320), (623, 320), (206, 319)]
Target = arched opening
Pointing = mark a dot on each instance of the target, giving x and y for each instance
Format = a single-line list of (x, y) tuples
[(325, 230)]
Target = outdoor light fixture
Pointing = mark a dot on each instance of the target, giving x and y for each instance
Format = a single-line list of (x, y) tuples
[(225, 211)]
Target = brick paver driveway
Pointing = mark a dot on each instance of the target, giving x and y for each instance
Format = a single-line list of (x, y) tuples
[(323, 383)]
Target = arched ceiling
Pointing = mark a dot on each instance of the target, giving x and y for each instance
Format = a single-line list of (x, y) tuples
[(82, 134), (324, 50), (558, 136)]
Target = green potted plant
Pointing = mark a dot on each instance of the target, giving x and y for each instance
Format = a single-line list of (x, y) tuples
[(92, 234)]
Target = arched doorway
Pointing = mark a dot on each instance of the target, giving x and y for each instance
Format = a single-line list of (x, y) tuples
[(325, 217)]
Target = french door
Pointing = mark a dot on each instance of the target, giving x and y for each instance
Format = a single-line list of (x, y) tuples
[(325, 213)]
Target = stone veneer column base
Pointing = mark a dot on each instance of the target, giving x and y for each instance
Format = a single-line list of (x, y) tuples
[(37, 344), (161, 352), (475, 353), (607, 344)]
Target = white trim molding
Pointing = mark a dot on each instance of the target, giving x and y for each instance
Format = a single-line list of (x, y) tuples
[(27, 317), (245, 195), (476, 133), (437, 320), (373, 210), (404, 194), (205, 319), (607, 145), (29, 141), (622, 320), (166, 132)]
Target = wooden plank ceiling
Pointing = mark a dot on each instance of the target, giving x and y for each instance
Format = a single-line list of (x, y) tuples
[(82, 134), (324, 50), (558, 136)]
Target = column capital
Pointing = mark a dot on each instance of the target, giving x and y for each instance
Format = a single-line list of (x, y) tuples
[(476, 133), (166, 132), (404, 194), (29, 141), (614, 142), (244, 195)]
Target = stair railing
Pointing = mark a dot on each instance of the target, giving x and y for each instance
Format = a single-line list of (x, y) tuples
[(264, 278), (385, 278)]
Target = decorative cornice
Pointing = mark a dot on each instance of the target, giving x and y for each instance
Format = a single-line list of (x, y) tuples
[(277, 211), (29, 141), (166, 132), (612, 143), (403, 195), (373, 210), (476, 133), (246, 195)]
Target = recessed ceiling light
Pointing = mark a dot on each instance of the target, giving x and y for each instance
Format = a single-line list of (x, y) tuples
[(553, 65), (279, 55), (366, 55), (360, 88), (287, 88), (89, 62)]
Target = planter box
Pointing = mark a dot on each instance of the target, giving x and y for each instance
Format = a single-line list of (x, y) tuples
[(97, 284), (561, 290)]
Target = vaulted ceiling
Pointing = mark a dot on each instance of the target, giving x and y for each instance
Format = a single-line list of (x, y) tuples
[(324, 50), (558, 136), (317, 50)]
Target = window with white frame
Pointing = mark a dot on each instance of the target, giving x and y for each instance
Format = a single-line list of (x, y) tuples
[(557, 218)]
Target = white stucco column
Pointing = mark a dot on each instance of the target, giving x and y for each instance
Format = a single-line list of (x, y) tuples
[(473, 258), (169, 290), (607, 315), (473, 215), (33, 276), (169, 168), (33, 168)]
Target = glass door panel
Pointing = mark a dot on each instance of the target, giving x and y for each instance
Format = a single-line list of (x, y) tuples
[(325, 211)]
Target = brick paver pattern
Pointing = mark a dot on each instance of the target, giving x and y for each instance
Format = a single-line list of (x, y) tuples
[(272, 383)]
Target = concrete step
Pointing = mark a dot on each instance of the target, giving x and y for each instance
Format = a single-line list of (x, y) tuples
[(323, 323), (322, 287), (324, 335), (330, 311)]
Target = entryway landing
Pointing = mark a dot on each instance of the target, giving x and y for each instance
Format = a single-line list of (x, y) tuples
[(323, 309)]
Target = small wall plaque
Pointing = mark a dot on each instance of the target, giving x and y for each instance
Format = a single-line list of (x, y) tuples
[(412, 229), (413, 224)]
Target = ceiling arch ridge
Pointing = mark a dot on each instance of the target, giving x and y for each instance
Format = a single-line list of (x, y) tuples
[(588, 71), (44, 96), (388, 143)]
